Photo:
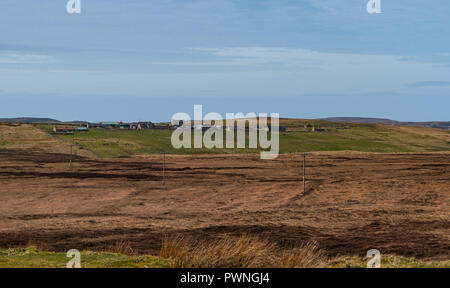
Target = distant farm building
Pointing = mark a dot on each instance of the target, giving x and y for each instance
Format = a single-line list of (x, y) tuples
[(82, 129), (95, 125), (63, 130), (162, 126), (125, 126), (177, 123), (145, 125), (319, 129), (110, 125)]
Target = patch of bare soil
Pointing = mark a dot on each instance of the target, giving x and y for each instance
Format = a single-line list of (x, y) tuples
[(397, 203)]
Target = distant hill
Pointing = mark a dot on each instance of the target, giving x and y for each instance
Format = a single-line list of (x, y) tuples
[(32, 120), (29, 120), (431, 124)]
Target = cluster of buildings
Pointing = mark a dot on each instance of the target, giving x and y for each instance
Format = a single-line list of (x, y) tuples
[(179, 123), (84, 127), (311, 127), (68, 130), (130, 126)]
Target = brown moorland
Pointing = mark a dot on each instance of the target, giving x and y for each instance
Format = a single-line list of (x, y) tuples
[(397, 203)]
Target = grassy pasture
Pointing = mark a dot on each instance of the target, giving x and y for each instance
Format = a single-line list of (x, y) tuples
[(335, 137), (31, 257)]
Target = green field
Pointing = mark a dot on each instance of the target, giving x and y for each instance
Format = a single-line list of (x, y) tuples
[(334, 137), (31, 257)]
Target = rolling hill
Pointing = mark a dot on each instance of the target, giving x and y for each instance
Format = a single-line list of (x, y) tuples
[(430, 124), (300, 136), (29, 120)]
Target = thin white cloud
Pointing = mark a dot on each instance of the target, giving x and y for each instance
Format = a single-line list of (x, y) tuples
[(421, 84), (23, 58), (290, 57), (250, 71)]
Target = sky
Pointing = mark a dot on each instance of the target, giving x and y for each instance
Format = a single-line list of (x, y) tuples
[(139, 60)]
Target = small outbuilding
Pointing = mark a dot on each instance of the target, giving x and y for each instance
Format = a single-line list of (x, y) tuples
[(63, 130)]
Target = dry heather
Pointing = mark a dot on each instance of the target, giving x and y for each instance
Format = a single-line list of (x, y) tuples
[(397, 203), (243, 252)]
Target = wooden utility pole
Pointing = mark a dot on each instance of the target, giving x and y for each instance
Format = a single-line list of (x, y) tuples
[(71, 151), (70, 161), (304, 173), (164, 168)]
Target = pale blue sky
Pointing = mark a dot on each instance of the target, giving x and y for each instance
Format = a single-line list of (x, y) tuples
[(146, 60)]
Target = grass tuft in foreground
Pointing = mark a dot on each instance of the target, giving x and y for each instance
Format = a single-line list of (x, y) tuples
[(243, 252), (226, 252)]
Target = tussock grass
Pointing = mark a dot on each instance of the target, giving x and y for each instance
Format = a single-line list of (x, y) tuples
[(307, 255), (35, 245), (243, 252), (228, 252), (121, 247)]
